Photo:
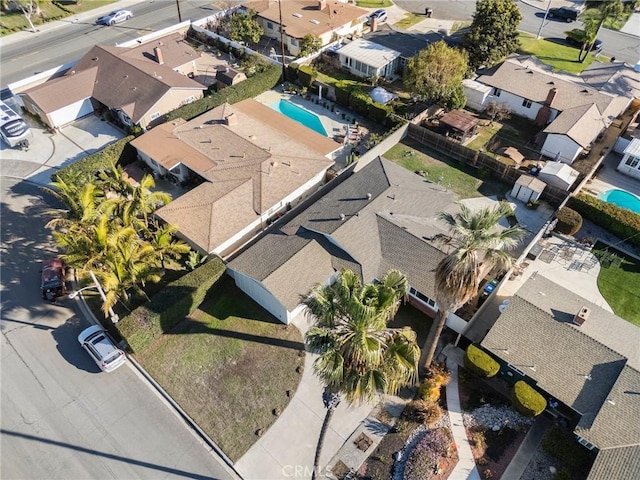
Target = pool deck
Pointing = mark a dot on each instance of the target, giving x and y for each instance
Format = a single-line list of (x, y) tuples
[(609, 178)]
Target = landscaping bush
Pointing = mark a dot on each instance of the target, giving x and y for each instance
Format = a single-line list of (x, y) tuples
[(429, 391), (619, 221), (307, 75), (359, 102), (527, 400), (421, 411), (379, 112), (85, 169), (250, 88), (170, 305), (561, 444), (438, 373), (292, 72), (569, 221), (480, 363), (343, 91), (424, 459)]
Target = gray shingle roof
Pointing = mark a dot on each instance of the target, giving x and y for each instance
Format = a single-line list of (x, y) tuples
[(582, 124), (408, 44), (616, 464), (376, 234)]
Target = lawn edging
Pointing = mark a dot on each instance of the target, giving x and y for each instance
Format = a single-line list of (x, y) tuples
[(170, 305)]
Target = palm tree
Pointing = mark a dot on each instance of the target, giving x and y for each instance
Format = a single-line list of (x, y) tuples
[(610, 9), (478, 246), (162, 238), (82, 202), (359, 356)]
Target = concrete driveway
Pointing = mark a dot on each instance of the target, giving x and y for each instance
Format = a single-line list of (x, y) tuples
[(48, 152)]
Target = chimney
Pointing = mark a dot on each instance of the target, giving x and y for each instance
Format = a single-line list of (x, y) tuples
[(158, 54), (542, 118), (322, 4), (374, 23), (581, 316), (231, 119), (551, 96)]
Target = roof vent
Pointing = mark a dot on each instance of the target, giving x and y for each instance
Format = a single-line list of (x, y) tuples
[(581, 316), (369, 196), (297, 15), (342, 217), (315, 22)]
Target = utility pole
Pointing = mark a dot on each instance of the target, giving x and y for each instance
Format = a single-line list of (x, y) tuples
[(544, 19), (284, 66), (179, 14)]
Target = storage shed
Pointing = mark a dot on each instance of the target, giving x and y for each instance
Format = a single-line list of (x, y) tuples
[(477, 94), (558, 174), (458, 125), (528, 188)]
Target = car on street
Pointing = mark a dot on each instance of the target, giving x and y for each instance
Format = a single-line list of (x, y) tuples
[(114, 17), (380, 15), (101, 348), (52, 278), (563, 13), (576, 38)]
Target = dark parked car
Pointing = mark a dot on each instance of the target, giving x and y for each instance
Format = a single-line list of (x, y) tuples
[(575, 38), (53, 278), (563, 13)]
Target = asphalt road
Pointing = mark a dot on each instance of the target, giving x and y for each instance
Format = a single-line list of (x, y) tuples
[(61, 418), (25, 53), (623, 46)]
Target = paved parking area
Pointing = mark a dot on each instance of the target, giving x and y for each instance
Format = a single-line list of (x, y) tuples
[(48, 152)]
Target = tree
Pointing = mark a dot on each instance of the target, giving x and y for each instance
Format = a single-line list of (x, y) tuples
[(498, 111), (478, 246), (612, 9), (243, 28), (436, 73), (162, 238), (309, 44), (359, 356), (493, 34), (30, 8)]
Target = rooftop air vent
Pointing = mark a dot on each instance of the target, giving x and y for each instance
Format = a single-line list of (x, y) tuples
[(315, 22), (342, 217), (369, 196), (581, 316), (297, 15)]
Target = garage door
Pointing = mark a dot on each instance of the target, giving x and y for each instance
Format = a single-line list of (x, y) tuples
[(71, 112)]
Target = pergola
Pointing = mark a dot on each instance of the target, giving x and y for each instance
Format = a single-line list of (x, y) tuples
[(458, 125)]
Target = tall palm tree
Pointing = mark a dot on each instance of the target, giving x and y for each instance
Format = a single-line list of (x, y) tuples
[(610, 9), (478, 246), (162, 238), (359, 356)]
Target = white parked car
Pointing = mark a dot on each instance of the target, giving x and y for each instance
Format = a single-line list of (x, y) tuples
[(101, 348), (114, 17)]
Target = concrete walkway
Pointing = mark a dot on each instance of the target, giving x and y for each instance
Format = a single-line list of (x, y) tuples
[(466, 467), (527, 448)]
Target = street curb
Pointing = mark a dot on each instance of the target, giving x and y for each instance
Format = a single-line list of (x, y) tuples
[(88, 314)]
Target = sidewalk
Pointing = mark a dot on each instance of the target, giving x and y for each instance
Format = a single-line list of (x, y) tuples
[(527, 448)]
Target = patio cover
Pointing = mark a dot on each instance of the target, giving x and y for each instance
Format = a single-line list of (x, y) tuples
[(380, 95), (512, 153)]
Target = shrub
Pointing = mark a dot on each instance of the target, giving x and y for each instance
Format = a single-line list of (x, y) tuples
[(379, 112), (480, 363), (569, 221), (562, 445), (85, 169), (307, 75), (439, 373), (424, 458), (527, 400), (170, 305), (251, 87), (359, 102), (421, 411), (429, 391), (619, 221), (343, 91)]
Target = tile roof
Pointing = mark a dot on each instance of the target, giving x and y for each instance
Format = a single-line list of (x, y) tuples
[(302, 17), (387, 229), (250, 166), (127, 78)]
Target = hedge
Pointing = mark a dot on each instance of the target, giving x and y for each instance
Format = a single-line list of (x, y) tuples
[(250, 88), (359, 102), (169, 306), (480, 363), (569, 221), (85, 169), (527, 400), (307, 75), (621, 222)]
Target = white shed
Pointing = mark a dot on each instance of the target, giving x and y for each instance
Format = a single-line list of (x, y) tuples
[(558, 174), (477, 94), (527, 188)]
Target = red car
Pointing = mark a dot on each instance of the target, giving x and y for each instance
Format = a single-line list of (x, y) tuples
[(53, 278)]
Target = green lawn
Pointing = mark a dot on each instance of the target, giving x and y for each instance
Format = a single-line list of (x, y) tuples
[(416, 157), (560, 57), (373, 3), (620, 285), (229, 366), (409, 20)]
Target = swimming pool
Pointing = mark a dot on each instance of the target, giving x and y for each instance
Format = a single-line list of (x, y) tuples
[(300, 115), (621, 199)]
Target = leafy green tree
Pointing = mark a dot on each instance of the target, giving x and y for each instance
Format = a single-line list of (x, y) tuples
[(436, 73), (309, 44), (243, 28), (359, 357), (493, 34), (478, 246)]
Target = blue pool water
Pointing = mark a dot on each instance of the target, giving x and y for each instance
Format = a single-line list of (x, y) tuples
[(300, 115), (621, 199)]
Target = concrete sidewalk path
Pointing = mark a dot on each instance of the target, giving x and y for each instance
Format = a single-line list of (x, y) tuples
[(466, 467), (527, 448)]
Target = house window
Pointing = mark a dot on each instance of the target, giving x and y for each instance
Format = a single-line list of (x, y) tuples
[(632, 162), (155, 115), (585, 444), (269, 25), (497, 92), (526, 103), (190, 99), (294, 42), (423, 298)]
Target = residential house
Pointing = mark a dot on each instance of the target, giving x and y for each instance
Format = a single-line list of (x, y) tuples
[(376, 219), (137, 84), (630, 163), (584, 360), (383, 53), (328, 20), (253, 163), (572, 113)]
